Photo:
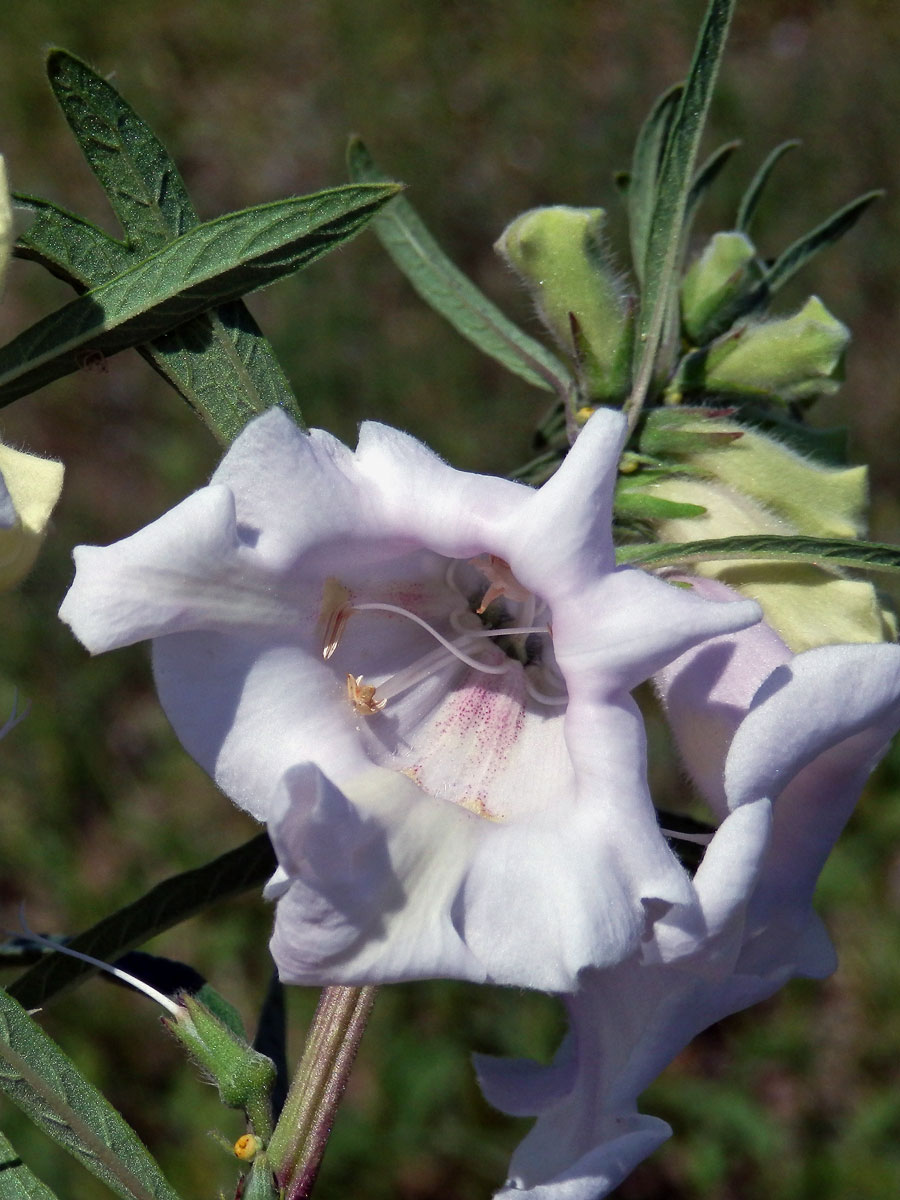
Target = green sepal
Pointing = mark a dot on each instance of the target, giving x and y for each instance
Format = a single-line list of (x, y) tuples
[(674, 431), (635, 504), (243, 1077), (259, 1183)]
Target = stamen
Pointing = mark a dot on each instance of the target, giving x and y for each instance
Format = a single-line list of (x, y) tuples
[(500, 579), (333, 615), (362, 697), (448, 645)]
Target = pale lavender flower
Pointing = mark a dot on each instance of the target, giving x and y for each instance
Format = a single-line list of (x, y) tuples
[(780, 746), (419, 678)]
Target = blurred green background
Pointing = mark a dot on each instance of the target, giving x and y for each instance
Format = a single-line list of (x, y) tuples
[(484, 109)]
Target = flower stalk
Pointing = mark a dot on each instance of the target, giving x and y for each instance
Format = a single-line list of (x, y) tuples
[(298, 1143)]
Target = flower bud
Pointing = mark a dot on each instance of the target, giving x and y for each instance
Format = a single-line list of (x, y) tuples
[(818, 500), (787, 359), (243, 1076), (806, 605), (751, 484), (717, 284), (29, 489), (558, 253)]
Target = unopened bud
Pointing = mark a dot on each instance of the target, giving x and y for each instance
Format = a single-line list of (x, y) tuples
[(558, 252), (29, 489), (717, 285), (787, 359)]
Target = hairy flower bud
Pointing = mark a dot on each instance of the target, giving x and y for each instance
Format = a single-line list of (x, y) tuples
[(787, 359), (748, 483), (717, 284), (558, 253)]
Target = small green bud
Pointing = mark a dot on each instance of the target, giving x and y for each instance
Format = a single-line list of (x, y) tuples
[(788, 358), (558, 253), (243, 1076), (717, 284)]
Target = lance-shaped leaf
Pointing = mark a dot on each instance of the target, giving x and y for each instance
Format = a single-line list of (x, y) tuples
[(751, 198), (822, 552), (210, 265), (167, 904), (644, 175), (790, 261), (47, 1085), (706, 176), (670, 204), (219, 362), (16, 1181), (443, 286), (142, 182)]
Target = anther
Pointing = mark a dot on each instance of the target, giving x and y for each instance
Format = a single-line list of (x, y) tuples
[(333, 615), (362, 697)]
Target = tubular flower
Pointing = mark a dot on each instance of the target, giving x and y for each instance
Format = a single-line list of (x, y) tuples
[(780, 746), (419, 678)]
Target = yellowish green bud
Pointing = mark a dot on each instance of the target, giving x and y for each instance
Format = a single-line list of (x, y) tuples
[(29, 489), (788, 358), (558, 252), (817, 500), (716, 285), (806, 605)]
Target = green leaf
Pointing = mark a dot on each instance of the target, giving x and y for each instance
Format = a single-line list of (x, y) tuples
[(706, 176), (219, 362), (209, 265), (824, 552), (47, 1085), (16, 1181), (170, 902), (221, 365), (751, 198), (440, 284), (671, 197), (644, 175), (797, 255), (142, 182), (72, 249)]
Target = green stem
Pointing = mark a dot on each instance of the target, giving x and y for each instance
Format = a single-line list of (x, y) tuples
[(300, 1138)]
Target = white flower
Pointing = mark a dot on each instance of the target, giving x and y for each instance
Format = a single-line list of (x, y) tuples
[(781, 764), (420, 679)]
